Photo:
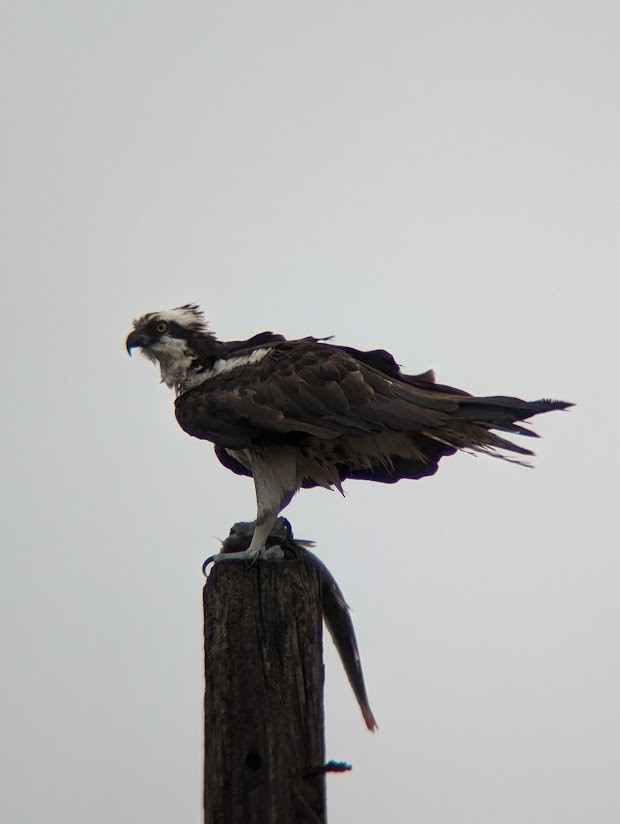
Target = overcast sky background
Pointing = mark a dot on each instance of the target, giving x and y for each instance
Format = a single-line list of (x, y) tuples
[(439, 179)]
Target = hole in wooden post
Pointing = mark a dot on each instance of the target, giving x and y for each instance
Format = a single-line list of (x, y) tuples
[(253, 761)]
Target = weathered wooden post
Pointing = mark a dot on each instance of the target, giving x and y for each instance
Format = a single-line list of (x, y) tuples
[(264, 728)]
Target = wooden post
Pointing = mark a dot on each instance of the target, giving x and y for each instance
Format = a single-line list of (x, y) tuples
[(264, 727)]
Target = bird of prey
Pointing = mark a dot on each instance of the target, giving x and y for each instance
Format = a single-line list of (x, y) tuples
[(306, 412)]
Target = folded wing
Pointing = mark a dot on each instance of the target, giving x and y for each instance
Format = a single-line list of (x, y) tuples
[(354, 410)]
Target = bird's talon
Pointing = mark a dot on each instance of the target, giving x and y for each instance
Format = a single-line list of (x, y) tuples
[(210, 560)]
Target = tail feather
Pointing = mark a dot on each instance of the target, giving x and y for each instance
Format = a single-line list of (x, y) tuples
[(474, 425), (548, 405)]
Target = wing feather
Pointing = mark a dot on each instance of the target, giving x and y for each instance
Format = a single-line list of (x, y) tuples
[(311, 389)]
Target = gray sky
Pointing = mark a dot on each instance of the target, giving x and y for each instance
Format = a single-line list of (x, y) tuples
[(439, 179)]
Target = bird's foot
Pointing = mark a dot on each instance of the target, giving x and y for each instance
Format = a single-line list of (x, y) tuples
[(272, 553), (238, 546)]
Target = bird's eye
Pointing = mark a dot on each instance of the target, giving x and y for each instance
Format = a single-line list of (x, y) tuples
[(162, 326)]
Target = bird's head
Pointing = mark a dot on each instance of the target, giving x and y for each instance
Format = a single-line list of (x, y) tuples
[(177, 339)]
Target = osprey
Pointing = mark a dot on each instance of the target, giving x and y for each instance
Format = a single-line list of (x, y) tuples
[(305, 413)]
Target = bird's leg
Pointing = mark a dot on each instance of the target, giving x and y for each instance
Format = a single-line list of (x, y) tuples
[(275, 480), (264, 524)]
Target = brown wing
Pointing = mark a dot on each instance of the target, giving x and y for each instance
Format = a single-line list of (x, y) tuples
[(353, 403), (306, 388)]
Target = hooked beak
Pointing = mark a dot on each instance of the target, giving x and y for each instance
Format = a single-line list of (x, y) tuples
[(136, 339)]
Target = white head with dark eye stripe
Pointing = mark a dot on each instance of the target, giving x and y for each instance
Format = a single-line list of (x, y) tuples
[(175, 339)]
